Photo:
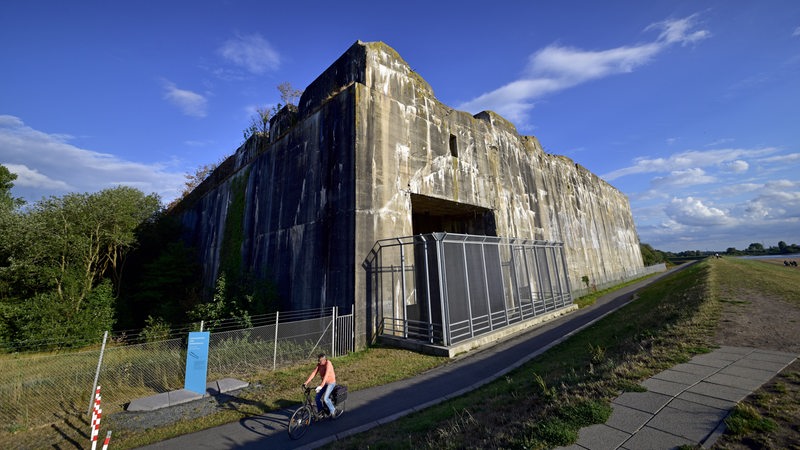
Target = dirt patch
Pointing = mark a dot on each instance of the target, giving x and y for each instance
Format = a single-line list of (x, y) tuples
[(751, 319)]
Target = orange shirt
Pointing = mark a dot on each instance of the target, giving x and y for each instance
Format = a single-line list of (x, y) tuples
[(325, 371)]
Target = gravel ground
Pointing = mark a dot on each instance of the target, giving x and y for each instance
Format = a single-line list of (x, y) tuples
[(137, 421)]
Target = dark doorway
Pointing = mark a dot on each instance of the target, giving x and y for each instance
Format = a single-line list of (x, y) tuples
[(434, 215)]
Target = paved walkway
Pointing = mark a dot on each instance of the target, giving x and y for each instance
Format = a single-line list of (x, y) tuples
[(379, 405), (684, 405)]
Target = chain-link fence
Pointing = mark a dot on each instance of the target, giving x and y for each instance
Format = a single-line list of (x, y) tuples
[(39, 389), (591, 286)]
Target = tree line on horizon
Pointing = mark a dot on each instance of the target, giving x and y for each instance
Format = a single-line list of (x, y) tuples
[(652, 256)]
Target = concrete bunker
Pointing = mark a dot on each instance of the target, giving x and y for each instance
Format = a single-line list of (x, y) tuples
[(370, 155)]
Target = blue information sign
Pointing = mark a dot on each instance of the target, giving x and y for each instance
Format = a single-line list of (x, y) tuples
[(197, 362)]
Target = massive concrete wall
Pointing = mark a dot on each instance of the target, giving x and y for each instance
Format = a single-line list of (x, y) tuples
[(403, 148), (283, 211), (340, 174)]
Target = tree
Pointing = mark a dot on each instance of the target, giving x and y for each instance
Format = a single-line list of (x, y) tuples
[(259, 122), (783, 247), (289, 95), (66, 258), (651, 256), (7, 201), (755, 247)]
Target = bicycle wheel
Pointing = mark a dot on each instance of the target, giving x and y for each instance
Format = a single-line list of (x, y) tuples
[(300, 421)]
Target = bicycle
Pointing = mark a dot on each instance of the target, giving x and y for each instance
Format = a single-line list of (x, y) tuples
[(307, 414)]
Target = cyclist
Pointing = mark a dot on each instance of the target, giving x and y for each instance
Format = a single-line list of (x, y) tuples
[(325, 370)]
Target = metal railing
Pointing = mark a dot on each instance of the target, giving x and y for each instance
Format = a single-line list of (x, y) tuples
[(463, 285)]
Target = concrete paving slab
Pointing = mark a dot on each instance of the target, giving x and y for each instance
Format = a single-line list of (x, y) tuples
[(150, 403), (664, 387), (706, 400), (226, 385), (779, 357), (649, 438), (711, 361), (719, 391), (749, 372), (676, 376), (182, 396), (697, 369), (758, 364), (694, 425), (601, 437), (735, 350), (734, 381), (689, 406), (726, 356), (649, 402), (627, 419)]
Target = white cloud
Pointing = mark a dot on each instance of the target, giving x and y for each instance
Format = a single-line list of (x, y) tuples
[(796, 32), (252, 52), (737, 189), (679, 31), (688, 159), (790, 157), (693, 212), (557, 67), (46, 164), (190, 103), (779, 199), (737, 166), (720, 142), (32, 178), (683, 178)]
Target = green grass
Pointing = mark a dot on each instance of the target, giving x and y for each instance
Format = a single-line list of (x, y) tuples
[(589, 299), (745, 420)]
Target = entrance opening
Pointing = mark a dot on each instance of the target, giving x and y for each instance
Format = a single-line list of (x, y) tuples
[(433, 215)]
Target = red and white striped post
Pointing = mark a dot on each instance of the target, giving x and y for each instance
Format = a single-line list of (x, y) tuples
[(96, 414), (105, 443)]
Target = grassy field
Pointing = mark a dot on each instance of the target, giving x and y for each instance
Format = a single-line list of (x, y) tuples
[(540, 405)]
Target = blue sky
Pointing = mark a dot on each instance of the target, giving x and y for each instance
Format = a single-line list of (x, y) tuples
[(690, 108)]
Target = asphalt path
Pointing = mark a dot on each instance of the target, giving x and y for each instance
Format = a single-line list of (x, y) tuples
[(379, 405)]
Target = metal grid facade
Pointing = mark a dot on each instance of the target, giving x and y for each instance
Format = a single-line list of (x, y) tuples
[(445, 288)]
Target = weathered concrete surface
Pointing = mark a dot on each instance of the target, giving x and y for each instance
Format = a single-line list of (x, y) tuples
[(367, 156)]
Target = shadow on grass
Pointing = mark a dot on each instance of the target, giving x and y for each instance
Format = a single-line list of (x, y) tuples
[(73, 428)]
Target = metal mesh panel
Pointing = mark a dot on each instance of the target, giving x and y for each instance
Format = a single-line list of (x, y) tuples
[(456, 290), (462, 284)]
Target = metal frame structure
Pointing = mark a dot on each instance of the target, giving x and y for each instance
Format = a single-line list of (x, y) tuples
[(445, 288)]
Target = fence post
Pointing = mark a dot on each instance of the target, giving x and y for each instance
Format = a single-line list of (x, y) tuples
[(353, 326), (97, 372), (275, 346), (333, 334)]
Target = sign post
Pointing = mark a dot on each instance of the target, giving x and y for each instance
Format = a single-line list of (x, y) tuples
[(197, 362)]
